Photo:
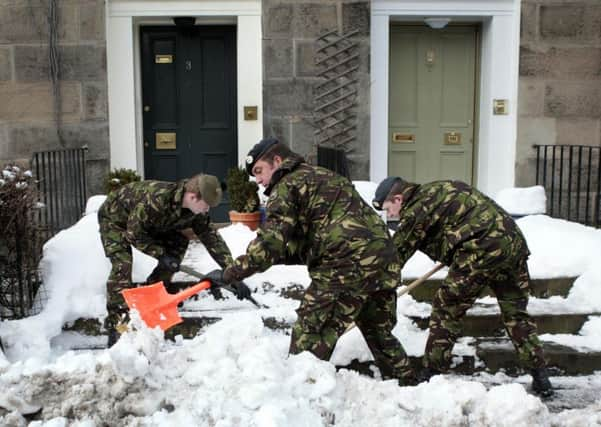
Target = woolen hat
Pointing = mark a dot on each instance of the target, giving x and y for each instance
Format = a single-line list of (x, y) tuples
[(209, 188), (383, 190), (257, 152)]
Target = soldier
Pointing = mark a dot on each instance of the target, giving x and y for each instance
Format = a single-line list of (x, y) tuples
[(459, 226), (317, 218), (150, 215)]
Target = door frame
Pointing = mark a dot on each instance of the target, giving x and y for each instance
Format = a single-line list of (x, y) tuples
[(124, 76), (496, 135)]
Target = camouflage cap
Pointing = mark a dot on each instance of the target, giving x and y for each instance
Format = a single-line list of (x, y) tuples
[(383, 190), (257, 152), (208, 186)]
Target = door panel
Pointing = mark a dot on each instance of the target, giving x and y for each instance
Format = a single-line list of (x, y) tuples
[(432, 80), (192, 94)]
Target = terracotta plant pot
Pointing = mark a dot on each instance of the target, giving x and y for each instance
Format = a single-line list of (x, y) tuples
[(251, 220)]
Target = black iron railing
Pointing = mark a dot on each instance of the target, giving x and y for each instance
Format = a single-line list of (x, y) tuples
[(61, 176), (571, 177)]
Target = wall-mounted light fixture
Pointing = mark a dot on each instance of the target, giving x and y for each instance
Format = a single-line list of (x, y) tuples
[(437, 22)]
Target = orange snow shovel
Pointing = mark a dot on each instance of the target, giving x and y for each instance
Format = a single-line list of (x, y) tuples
[(156, 306)]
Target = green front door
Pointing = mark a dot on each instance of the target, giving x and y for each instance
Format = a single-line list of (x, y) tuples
[(189, 103), (431, 103)]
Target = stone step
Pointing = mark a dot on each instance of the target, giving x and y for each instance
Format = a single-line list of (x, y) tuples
[(500, 355), (490, 325), (540, 288)]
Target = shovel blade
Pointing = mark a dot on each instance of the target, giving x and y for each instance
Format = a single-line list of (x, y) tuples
[(155, 305)]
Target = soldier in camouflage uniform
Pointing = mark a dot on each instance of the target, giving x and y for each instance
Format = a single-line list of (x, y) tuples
[(151, 215), (459, 226), (317, 218)]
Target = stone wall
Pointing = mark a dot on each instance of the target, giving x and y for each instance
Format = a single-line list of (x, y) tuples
[(27, 120), (560, 78), (290, 30)]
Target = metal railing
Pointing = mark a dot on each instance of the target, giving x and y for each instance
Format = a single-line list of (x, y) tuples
[(571, 177), (61, 176)]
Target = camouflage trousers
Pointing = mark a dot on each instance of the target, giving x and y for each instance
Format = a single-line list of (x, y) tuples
[(118, 251), (510, 284), (325, 314)]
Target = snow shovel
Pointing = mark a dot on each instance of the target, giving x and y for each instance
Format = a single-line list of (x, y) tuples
[(201, 276), (156, 306)]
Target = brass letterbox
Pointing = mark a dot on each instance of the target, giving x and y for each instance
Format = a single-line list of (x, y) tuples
[(403, 138), (452, 138), (163, 59), (165, 141)]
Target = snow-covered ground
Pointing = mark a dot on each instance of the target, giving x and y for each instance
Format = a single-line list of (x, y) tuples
[(237, 371)]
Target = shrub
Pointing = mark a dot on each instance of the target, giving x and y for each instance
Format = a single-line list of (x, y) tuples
[(117, 178), (20, 242), (242, 191)]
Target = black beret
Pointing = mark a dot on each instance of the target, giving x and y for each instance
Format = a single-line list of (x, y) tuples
[(383, 190), (257, 152)]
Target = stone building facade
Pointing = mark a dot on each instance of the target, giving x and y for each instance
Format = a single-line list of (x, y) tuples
[(559, 82), (560, 78), (290, 76), (27, 119)]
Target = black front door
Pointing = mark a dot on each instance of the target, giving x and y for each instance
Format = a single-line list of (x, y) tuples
[(189, 103)]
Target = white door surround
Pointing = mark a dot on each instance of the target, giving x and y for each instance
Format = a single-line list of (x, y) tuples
[(123, 21), (499, 61)]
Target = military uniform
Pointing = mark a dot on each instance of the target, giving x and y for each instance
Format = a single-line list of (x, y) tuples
[(317, 218), (149, 216), (459, 226)]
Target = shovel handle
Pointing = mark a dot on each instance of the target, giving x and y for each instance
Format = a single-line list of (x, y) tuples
[(191, 291), (419, 281)]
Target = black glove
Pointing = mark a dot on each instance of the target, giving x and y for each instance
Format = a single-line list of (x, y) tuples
[(240, 290), (169, 263), (216, 279), (233, 274)]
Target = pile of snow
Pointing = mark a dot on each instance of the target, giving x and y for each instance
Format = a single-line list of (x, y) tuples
[(523, 201)]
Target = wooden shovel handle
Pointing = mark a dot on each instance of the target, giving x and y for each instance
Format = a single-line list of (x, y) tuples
[(419, 281)]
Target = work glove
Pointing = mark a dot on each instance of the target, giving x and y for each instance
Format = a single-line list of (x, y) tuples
[(216, 279), (233, 274), (169, 263), (240, 290)]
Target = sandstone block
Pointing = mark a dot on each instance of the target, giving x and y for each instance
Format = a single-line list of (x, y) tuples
[(6, 64), (277, 58), (356, 16), (289, 97), (573, 22), (35, 101), (305, 58), (531, 131), (312, 20), (278, 127), (561, 63), (277, 19), (529, 22), (303, 136), (531, 97), (95, 100), (79, 62), (579, 131), (92, 21), (25, 22), (573, 99)]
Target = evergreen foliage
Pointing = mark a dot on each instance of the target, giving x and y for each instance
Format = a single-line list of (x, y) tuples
[(117, 178), (242, 191)]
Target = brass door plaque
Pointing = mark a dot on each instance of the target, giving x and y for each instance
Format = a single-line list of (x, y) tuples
[(165, 141), (163, 59), (452, 138), (250, 112), (403, 138)]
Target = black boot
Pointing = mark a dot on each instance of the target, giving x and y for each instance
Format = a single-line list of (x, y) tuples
[(426, 373), (540, 382)]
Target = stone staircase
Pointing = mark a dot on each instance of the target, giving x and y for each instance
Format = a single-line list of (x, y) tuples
[(495, 350)]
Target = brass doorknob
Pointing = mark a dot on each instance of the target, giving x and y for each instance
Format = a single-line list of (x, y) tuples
[(146, 144), (146, 108)]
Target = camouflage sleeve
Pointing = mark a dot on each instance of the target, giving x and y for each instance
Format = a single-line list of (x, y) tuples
[(269, 247), (137, 234), (407, 237), (209, 237)]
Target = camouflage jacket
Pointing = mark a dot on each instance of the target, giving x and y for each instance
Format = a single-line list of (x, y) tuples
[(147, 210), (317, 218), (453, 222)]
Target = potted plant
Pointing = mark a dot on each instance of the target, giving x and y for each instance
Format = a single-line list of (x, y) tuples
[(244, 199)]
